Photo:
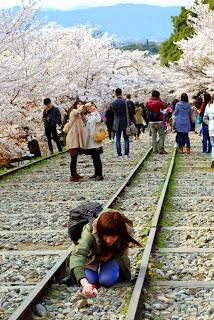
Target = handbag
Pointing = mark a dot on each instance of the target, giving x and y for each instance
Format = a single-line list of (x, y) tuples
[(100, 132), (131, 130)]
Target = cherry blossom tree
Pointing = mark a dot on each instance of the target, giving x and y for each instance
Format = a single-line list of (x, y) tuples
[(194, 72), (39, 60)]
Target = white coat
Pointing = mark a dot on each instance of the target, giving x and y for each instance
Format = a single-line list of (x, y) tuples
[(91, 120), (209, 118)]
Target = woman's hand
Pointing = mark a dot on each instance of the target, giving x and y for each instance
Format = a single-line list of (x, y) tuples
[(87, 288)]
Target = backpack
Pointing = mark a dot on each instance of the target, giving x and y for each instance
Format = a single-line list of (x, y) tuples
[(80, 216)]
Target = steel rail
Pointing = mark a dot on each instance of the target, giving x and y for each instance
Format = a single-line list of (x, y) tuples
[(133, 309), (24, 310), (28, 165)]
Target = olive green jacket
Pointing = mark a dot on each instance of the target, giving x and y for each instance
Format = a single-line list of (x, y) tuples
[(84, 253)]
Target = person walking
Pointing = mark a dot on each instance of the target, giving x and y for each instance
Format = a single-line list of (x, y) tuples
[(101, 255), (209, 120), (76, 138), (51, 117), (183, 113), (131, 105), (93, 148), (109, 122), (139, 118), (145, 112), (155, 106), (121, 122), (207, 148)]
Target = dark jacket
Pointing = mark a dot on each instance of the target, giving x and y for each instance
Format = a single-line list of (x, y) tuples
[(52, 117), (201, 112), (109, 118), (84, 253), (155, 105), (132, 107), (120, 117)]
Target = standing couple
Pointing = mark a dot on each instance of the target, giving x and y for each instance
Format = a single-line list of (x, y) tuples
[(80, 138)]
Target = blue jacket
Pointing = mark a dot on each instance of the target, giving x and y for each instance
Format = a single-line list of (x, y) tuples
[(183, 112), (120, 117)]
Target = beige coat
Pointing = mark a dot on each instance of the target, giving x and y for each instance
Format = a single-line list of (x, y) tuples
[(76, 130), (139, 115)]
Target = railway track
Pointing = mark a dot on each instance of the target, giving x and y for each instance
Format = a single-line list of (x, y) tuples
[(34, 213), (174, 272), (180, 284), (138, 201)]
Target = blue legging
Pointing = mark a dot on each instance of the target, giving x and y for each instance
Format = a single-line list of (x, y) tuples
[(107, 276)]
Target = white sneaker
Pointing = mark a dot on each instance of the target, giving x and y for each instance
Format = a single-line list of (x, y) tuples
[(126, 157), (120, 158)]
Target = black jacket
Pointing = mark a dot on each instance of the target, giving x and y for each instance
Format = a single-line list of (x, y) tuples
[(120, 117), (52, 117)]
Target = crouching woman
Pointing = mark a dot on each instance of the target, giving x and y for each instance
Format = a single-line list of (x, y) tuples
[(101, 255)]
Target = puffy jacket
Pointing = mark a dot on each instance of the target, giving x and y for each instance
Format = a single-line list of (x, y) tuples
[(155, 105)]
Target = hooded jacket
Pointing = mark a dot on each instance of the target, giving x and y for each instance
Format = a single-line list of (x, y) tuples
[(183, 112)]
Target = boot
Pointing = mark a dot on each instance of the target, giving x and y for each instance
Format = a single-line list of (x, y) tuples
[(188, 150), (74, 179), (180, 150)]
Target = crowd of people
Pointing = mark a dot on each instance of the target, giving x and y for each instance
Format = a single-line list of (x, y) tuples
[(129, 119)]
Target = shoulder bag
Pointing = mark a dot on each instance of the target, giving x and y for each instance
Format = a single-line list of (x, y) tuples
[(130, 129), (100, 132)]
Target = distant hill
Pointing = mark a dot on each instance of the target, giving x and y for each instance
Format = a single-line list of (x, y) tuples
[(129, 22)]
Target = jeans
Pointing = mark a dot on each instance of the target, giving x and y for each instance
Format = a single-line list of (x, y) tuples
[(212, 144), (157, 128), (98, 168), (118, 143), (107, 275), (52, 133), (183, 139), (73, 165), (206, 139)]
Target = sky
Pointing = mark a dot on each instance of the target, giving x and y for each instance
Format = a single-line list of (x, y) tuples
[(72, 4)]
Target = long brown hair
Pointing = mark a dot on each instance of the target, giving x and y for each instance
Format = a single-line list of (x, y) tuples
[(74, 105), (114, 223)]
